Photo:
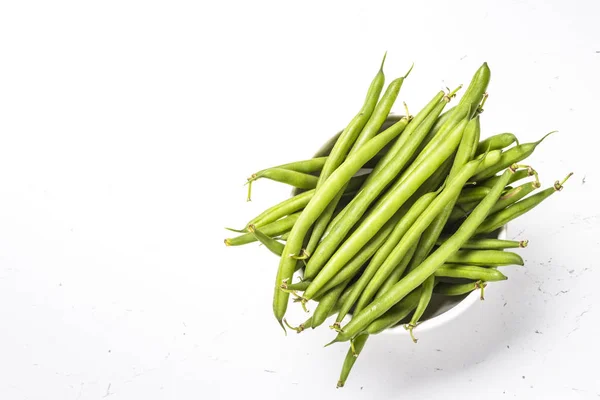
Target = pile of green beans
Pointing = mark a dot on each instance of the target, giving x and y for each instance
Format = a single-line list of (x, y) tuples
[(394, 211)]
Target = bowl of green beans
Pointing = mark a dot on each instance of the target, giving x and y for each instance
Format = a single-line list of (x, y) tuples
[(398, 222)]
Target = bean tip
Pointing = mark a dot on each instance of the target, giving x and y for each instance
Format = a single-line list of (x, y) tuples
[(383, 61), (227, 242), (282, 326), (339, 384), (409, 70)]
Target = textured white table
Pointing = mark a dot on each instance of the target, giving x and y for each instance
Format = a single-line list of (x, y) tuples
[(128, 128)]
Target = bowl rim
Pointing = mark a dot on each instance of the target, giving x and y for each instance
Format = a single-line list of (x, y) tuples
[(450, 314)]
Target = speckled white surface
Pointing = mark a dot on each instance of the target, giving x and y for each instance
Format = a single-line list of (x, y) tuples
[(127, 130)]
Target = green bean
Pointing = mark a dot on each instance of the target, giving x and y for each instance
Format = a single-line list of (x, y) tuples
[(441, 121), (422, 120), (297, 203), (514, 195), (396, 273), (293, 178), (273, 245), (417, 276), (475, 126), (392, 317), (457, 289), (433, 231), (470, 272), (424, 299), (384, 209), (493, 258), (410, 215), (472, 194), (316, 164), (517, 176), (381, 111), (349, 135), (351, 356), (510, 157), (396, 313), (343, 147), (519, 208), (476, 90), (496, 142), (318, 203), (326, 304), (469, 101), (273, 229), (370, 191), (309, 166), (488, 244), (298, 286), (282, 209), (450, 191)]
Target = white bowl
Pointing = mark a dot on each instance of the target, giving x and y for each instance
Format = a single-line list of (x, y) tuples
[(441, 309)]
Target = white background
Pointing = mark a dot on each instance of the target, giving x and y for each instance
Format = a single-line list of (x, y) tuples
[(128, 128)]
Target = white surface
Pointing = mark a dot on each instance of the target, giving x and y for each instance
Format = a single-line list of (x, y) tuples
[(120, 163)]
